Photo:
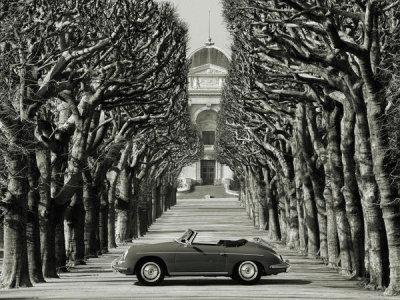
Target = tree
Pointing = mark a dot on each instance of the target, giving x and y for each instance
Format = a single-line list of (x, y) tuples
[(325, 56), (79, 81)]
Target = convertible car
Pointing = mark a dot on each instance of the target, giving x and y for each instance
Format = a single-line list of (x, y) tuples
[(242, 260)]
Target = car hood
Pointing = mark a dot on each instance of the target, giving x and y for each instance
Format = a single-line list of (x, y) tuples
[(159, 247)]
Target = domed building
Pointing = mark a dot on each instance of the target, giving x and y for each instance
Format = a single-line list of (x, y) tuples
[(209, 66)]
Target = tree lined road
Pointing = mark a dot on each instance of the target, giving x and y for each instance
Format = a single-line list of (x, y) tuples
[(215, 219), (96, 126)]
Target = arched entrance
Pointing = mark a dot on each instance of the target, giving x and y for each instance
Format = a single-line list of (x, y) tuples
[(206, 121)]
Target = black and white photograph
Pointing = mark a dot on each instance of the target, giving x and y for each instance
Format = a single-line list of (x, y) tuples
[(200, 149)]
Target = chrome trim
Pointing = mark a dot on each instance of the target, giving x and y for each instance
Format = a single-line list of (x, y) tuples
[(171, 253), (210, 253), (140, 253), (197, 273), (279, 266), (248, 254), (119, 269)]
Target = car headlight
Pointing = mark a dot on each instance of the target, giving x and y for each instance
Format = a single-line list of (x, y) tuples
[(125, 253)]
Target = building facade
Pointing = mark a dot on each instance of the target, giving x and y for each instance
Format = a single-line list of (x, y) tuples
[(209, 67)]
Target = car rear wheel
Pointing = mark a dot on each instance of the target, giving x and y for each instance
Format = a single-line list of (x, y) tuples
[(150, 272), (247, 272)]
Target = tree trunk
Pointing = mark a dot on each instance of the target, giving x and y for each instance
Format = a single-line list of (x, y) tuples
[(162, 197), (158, 202), (311, 219), (32, 228), (135, 218), (174, 191), (299, 206), (282, 212), (165, 196), (375, 240), (15, 271), (75, 234), (61, 253), (169, 196), (123, 205), (303, 238), (142, 210), (293, 219), (91, 206), (47, 221), (1, 238), (150, 207), (350, 191), (388, 195), (273, 219), (248, 198), (103, 221), (375, 228), (112, 177), (284, 206), (316, 177), (79, 231), (247, 202), (343, 227), (73, 184), (318, 188), (255, 198), (331, 229), (154, 196), (293, 234), (242, 195), (262, 207), (58, 165)]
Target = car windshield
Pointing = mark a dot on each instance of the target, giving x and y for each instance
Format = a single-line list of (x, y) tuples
[(185, 237)]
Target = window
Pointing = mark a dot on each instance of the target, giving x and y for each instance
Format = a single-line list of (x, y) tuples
[(208, 137)]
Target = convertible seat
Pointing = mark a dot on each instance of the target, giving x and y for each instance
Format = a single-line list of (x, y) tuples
[(229, 243)]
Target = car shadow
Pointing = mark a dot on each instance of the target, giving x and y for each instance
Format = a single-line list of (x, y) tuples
[(201, 282)]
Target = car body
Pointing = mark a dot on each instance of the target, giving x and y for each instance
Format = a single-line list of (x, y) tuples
[(243, 260)]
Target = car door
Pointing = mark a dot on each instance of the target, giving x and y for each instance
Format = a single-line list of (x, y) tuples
[(200, 258)]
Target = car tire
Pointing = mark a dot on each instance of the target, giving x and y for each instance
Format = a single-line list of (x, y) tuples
[(247, 272), (150, 272)]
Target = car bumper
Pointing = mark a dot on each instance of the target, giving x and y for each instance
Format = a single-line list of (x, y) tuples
[(279, 268), (119, 265)]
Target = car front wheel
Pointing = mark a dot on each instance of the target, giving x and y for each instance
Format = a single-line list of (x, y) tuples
[(150, 272), (247, 272)]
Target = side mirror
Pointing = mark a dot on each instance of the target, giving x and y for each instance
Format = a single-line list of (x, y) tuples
[(187, 243)]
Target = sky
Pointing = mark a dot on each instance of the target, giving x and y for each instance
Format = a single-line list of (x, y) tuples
[(195, 14)]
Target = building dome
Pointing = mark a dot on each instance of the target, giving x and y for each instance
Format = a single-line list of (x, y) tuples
[(209, 55)]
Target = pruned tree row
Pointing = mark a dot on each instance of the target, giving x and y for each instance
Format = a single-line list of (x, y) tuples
[(309, 124), (94, 128)]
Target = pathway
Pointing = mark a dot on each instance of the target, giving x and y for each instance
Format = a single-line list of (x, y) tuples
[(216, 218)]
